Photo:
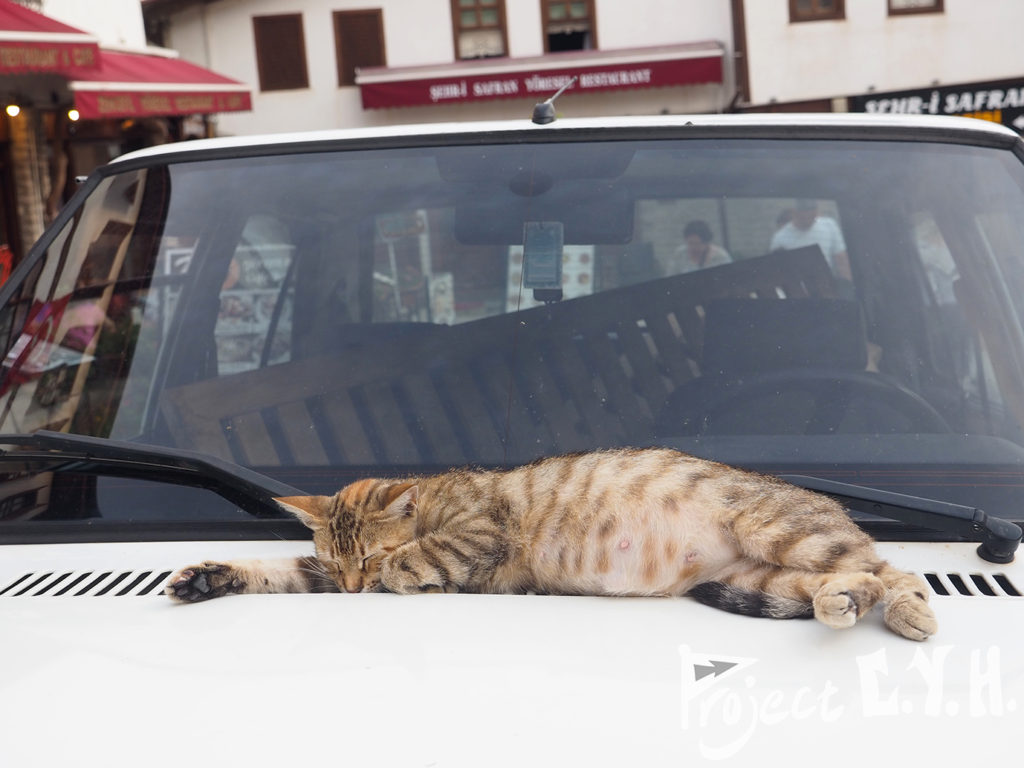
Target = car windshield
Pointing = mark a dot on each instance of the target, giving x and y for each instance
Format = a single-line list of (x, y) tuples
[(843, 308)]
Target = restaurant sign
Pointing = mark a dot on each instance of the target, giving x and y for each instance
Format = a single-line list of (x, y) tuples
[(998, 101), (100, 104), (20, 56), (386, 91)]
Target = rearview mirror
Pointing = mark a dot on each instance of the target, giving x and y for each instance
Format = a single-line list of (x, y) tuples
[(590, 214)]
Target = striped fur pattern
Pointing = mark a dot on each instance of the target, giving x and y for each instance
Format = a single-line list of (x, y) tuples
[(620, 522)]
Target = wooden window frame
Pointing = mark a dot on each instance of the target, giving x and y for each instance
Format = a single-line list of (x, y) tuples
[(265, 77), (938, 7), (457, 27), (591, 15), (816, 14), (336, 18)]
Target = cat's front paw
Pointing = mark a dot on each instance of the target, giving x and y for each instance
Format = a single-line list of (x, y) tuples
[(401, 581), (204, 581), (909, 615), (844, 599), (398, 576)]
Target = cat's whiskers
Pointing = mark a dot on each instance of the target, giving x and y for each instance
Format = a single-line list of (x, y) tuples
[(313, 567)]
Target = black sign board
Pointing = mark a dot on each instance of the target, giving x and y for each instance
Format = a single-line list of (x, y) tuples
[(1000, 101)]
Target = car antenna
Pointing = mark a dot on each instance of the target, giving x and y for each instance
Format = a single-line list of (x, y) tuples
[(544, 111)]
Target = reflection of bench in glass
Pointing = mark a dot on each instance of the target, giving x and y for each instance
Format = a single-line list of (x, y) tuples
[(592, 371)]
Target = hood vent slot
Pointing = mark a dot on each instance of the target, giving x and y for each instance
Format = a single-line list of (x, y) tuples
[(88, 583), (1007, 586), (972, 585), (141, 583)]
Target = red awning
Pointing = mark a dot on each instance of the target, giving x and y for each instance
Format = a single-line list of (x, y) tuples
[(32, 42), (539, 77), (141, 85)]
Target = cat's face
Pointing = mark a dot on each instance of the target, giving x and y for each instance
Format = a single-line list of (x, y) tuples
[(355, 529)]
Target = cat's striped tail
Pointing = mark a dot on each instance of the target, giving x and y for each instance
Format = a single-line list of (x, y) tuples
[(750, 603)]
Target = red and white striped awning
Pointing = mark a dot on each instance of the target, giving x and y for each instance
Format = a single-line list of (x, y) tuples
[(31, 42), (141, 85)]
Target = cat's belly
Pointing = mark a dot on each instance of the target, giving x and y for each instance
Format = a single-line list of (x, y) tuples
[(634, 560)]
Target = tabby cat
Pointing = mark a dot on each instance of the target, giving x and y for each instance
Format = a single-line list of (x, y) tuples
[(619, 522)]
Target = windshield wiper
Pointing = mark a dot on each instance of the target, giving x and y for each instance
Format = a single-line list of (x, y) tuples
[(998, 537), (249, 490), (255, 493)]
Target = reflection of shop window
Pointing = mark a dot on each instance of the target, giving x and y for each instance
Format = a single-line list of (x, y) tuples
[(173, 265), (479, 28), (900, 7), (255, 319), (569, 25), (816, 10), (935, 257)]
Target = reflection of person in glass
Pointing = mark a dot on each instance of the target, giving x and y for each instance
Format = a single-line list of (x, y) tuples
[(698, 252), (805, 228)]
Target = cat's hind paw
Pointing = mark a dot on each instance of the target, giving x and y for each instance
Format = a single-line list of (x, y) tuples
[(910, 615), (203, 582), (843, 600)]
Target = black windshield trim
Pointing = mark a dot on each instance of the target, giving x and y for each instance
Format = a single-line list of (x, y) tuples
[(808, 132), (250, 490), (96, 531)]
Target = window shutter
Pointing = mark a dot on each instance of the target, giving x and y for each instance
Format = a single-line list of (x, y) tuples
[(358, 42), (280, 52)]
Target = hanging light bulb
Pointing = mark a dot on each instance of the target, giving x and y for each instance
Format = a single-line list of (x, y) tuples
[(73, 115), (13, 110)]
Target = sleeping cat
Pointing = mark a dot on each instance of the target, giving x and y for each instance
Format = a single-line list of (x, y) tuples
[(619, 522)]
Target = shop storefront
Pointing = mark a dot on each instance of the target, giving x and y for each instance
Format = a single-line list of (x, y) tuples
[(1000, 101), (68, 105), (34, 51)]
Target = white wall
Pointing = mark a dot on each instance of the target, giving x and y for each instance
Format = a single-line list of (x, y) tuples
[(114, 22), (219, 36), (523, 23), (635, 23), (974, 40), (419, 32)]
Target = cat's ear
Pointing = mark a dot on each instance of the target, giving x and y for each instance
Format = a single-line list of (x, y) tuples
[(312, 511), (401, 499)]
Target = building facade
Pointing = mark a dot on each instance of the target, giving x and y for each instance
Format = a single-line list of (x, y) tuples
[(347, 63), (946, 57)]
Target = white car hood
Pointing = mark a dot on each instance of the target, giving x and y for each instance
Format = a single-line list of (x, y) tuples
[(481, 680)]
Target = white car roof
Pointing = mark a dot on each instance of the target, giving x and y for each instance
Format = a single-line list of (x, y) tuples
[(766, 120)]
